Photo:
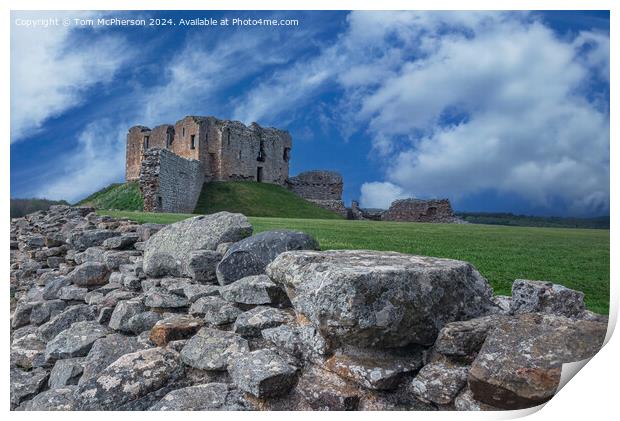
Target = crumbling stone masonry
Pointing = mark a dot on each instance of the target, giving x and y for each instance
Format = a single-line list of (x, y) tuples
[(170, 183), (228, 150), (323, 188), (417, 210)]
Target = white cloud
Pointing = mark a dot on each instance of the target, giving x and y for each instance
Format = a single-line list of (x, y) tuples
[(94, 163), (527, 132), (380, 194), (50, 74), (195, 79), (526, 129)]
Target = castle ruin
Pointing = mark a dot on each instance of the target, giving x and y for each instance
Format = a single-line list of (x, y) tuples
[(172, 163), (227, 150)]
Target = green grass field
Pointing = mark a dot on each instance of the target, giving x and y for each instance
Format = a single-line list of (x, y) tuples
[(576, 258)]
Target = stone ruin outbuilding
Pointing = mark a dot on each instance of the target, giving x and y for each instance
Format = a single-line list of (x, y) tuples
[(323, 188), (419, 210), (408, 210)]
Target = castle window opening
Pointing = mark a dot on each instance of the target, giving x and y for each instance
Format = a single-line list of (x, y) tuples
[(193, 142), (287, 154), (183, 131), (146, 142), (239, 154), (261, 152), (259, 174)]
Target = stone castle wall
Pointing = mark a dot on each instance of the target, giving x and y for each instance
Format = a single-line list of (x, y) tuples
[(417, 210), (317, 185), (170, 183), (227, 150)]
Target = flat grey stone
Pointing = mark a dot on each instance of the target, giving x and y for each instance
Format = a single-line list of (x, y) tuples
[(160, 298), (257, 289), (66, 372), (62, 321), (105, 351), (203, 397), (439, 382), (57, 399), (252, 322), (75, 341), (263, 373), (89, 274), (215, 310), (129, 378), (212, 349), (123, 312), (545, 297), (520, 362)]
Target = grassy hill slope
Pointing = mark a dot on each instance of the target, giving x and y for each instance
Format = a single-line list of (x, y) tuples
[(120, 196), (249, 198), (258, 199)]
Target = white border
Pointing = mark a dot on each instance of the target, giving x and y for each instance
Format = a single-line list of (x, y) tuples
[(590, 395)]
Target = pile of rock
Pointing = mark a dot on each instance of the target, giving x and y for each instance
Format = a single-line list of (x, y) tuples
[(203, 315)]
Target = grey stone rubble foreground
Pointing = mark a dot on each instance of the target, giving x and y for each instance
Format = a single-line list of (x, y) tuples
[(201, 315)]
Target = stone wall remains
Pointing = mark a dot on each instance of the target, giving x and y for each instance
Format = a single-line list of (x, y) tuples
[(170, 183), (332, 205), (317, 185), (418, 210)]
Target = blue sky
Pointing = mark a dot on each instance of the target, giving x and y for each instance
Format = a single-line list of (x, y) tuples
[(497, 111)]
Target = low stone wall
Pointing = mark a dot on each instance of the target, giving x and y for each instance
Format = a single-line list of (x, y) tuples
[(332, 205), (317, 185), (109, 314), (170, 183), (417, 210)]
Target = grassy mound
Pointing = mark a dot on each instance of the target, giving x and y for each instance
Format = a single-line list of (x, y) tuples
[(120, 196), (258, 199)]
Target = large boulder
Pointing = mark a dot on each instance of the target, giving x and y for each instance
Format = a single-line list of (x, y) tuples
[(168, 251), (252, 255), (520, 363), (380, 299)]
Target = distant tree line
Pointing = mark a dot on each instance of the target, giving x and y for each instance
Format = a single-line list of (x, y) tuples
[(600, 222), (21, 207)]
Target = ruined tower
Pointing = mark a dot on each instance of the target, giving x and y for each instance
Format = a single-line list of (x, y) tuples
[(228, 150)]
